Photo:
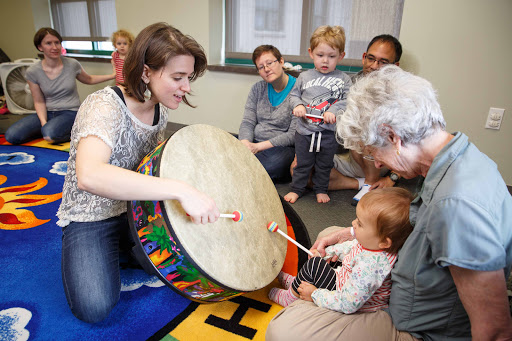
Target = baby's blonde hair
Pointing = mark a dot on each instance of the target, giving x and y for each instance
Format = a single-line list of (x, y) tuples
[(334, 36), (122, 33), (390, 208)]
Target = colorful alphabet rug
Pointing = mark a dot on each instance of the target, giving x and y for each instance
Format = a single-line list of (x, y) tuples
[(32, 301)]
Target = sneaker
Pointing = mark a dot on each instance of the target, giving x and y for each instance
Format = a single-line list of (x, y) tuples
[(365, 189)]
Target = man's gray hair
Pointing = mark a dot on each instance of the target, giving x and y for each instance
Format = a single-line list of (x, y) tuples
[(389, 98)]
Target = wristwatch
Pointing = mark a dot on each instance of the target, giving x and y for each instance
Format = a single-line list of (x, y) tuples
[(394, 177)]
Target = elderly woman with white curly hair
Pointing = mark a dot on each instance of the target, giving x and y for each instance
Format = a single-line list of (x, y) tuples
[(450, 278)]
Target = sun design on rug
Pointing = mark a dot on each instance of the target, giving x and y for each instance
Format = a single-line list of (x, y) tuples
[(14, 199)]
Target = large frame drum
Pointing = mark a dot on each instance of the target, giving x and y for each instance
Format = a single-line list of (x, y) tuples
[(211, 262)]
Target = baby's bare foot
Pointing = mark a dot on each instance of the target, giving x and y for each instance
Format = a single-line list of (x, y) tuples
[(291, 197), (322, 198)]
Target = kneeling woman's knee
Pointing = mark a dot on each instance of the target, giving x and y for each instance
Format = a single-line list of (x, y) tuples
[(88, 301), (12, 137), (94, 310), (49, 133)]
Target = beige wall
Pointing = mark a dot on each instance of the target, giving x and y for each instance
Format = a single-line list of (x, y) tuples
[(17, 29), (461, 46), (219, 97)]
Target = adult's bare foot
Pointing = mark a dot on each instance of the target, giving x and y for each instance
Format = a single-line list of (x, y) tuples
[(338, 181)]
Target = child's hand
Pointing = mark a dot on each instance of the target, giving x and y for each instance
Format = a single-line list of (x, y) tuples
[(305, 290), (329, 117), (300, 111)]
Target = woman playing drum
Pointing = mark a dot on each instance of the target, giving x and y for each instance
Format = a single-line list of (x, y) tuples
[(114, 129)]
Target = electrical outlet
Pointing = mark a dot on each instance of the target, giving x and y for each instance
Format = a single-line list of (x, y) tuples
[(494, 118)]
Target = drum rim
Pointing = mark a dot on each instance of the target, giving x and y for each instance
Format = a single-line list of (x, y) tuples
[(134, 233), (203, 272), (157, 272)]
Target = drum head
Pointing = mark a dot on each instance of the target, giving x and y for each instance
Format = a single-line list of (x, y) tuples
[(244, 255)]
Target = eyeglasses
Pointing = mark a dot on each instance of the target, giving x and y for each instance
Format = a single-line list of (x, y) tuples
[(368, 155), (380, 62), (267, 64)]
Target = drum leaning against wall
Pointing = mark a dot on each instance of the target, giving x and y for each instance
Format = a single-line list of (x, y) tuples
[(211, 262)]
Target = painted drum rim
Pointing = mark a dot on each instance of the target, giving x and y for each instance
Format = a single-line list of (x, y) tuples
[(151, 165), (230, 293)]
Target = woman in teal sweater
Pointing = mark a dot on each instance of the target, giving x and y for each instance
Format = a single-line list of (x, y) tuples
[(268, 126)]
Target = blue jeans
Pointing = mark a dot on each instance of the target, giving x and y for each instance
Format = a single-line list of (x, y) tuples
[(277, 161), (58, 127), (90, 266)]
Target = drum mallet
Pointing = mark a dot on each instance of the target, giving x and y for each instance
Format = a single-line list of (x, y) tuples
[(272, 227), (237, 216)]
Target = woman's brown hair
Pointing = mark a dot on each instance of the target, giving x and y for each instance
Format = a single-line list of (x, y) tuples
[(154, 46), (43, 32), (263, 49)]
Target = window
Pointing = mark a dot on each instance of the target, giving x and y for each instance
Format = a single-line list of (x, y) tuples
[(85, 25), (288, 25)]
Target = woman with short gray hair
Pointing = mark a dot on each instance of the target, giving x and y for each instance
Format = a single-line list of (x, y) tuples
[(450, 278), (268, 126), (395, 99)]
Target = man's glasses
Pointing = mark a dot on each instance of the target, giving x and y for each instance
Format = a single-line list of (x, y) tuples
[(267, 64), (380, 62)]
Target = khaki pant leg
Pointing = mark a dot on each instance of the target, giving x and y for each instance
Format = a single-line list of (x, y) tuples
[(305, 321)]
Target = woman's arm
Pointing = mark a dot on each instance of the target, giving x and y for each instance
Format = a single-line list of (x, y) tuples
[(339, 250), (113, 63), (250, 118), (97, 176), (86, 78), (39, 102), (257, 147), (484, 296), (336, 237)]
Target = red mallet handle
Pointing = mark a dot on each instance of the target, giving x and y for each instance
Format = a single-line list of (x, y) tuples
[(273, 227), (315, 116)]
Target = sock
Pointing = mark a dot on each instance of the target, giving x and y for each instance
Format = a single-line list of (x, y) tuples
[(361, 182), (282, 297), (365, 189), (285, 279)]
